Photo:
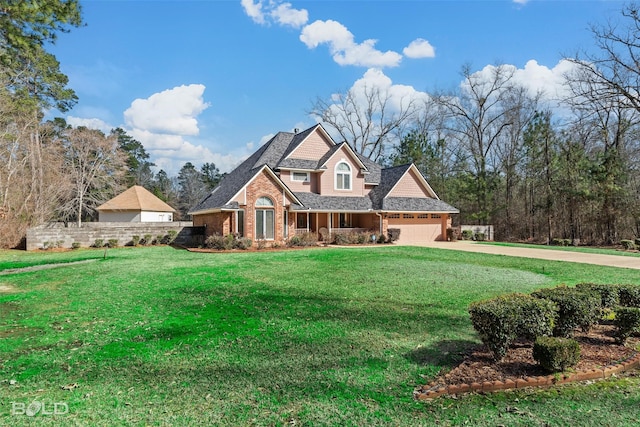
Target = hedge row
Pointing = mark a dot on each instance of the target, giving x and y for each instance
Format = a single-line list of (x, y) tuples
[(554, 311)]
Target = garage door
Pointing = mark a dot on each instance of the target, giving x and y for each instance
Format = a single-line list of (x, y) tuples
[(413, 231)]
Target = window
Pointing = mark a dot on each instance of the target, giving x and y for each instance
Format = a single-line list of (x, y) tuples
[(423, 216), (301, 220), (265, 219), (343, 176), (393, 216), (300, 176), (240, 223), (407, 216), (344, 220), (435, 216)]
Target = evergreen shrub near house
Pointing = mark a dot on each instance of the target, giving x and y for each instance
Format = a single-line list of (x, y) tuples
[(609, 294), (501, 320), (627, 322), (394, 234), (113, 243), (228, 242), (576, 308), (629, 295), (171, 236), (147, 239), (135, 240), (382, 238), (98, 243), (303, 239), (556, 354), (629, 245), (480, 237), (75, 245)]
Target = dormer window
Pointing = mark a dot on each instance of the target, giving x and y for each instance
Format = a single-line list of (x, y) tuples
[(300, 176), (343, 176)]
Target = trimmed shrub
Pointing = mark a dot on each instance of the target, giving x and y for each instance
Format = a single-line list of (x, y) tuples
[(556, 354), (341, 239), (135, 240), (147, 240), (303, 239), (560, 242), (394, 234), (501, 320), (609, 294), (628, 245), (98, 243), (113, 243), (221, 243), (382, 238), (467, 234), (627, 321), (75, 245), (480, 237), (576, 308), (629, 295)]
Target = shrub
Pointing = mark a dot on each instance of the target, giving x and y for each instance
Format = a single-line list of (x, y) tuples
[(171, 236), (113, 243), (242, 243), (394, 234), (480, 237), (216, 241), (135, 240), (75, 245), (501, 320), (303, 239), (576, 308), (452, 236), (59, 243), (629, 295), (98, 243), (637, 241), (467, 234), (609, 294), (158, 239), (382, 238), (628, 245), (556, 354), (341, 239), (627, 321), (147, 240)]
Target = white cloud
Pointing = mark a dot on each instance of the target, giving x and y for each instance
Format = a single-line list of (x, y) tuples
[(285, 15), (344, 49), (172, 111), (522, 2), (90, 123), (419, 48), (273, 11), (254, 10)]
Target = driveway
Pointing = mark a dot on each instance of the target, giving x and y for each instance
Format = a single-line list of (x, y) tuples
[(548, 254)]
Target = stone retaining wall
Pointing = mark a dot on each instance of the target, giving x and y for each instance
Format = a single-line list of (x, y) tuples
[(64, 235)]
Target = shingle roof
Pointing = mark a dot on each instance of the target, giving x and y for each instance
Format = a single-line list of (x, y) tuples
[(273, 154), (136, 198)]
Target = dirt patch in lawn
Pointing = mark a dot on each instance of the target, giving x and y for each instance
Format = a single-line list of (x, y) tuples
[(598, 348)]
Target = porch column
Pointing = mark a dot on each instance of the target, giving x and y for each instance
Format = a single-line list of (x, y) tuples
[(443, 226), (307, 222)]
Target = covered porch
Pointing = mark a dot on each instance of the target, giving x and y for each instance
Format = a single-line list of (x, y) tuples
[(327, 224)]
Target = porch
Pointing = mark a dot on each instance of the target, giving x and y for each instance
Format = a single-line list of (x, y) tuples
[(327, 224)]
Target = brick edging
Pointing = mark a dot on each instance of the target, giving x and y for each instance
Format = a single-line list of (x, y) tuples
[(433, 389)]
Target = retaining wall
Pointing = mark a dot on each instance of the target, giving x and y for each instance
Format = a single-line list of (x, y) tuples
[(64, 235)]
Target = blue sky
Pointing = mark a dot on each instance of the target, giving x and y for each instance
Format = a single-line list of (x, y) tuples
[(211, 80)]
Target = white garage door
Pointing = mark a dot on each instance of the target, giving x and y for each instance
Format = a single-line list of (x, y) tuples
[(413, 232)]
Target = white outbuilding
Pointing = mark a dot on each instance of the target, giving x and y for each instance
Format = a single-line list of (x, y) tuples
[(137, 204)]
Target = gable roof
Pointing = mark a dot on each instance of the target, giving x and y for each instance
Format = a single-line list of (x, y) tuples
[(273, 155), (136, 198)]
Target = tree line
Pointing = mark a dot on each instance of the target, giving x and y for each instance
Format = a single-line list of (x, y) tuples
[(499, 153), (507, 157)]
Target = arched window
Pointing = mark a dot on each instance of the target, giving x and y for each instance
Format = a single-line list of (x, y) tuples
[(343, 176), (265, 219)]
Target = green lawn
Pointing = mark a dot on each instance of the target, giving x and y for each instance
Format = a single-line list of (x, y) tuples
[(159, 336)]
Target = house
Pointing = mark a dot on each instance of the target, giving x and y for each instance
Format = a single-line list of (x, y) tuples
[(137, 204), (305, 182)]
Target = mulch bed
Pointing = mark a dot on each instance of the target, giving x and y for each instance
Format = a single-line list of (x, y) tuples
[(598, 349)]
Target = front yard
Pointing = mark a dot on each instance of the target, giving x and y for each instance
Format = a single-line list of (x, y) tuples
[(328, 336)]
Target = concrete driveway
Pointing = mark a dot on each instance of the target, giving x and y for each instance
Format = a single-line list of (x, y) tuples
[(548, 254)]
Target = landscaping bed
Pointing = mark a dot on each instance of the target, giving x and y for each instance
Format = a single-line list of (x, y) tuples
[(598, 348)]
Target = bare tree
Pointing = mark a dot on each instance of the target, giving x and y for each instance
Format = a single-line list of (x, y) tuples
[(478, 116), (95, 166), (369, 119)]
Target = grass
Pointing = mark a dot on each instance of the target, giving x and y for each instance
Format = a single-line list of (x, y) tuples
[(158, 336), (584, 249)]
